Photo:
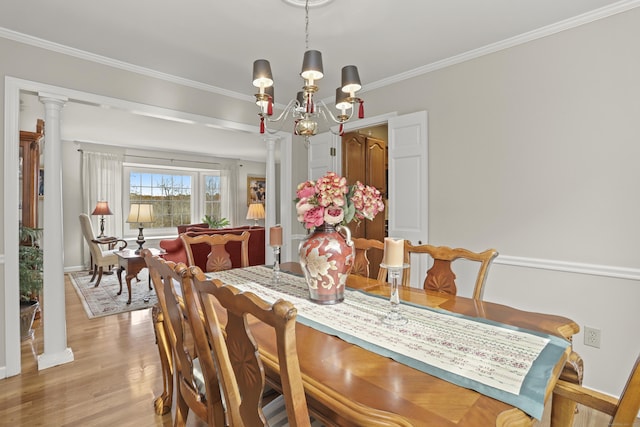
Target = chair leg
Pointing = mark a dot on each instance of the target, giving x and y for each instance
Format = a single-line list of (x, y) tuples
[(94, 271), (99, 277), (182, 410)]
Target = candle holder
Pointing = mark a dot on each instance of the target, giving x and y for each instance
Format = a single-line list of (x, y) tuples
[(275, 275), (393, 317)]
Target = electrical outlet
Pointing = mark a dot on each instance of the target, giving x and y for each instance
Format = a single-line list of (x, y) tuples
[(592, 337)]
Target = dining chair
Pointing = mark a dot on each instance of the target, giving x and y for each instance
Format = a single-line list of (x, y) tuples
[(233, 352), (623, 411), (361, 263), (440, 277), (218, 258), (100, 258), (195, 392)]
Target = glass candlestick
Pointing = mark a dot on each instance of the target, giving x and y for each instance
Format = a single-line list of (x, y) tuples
[(393, 316), (275, 278)]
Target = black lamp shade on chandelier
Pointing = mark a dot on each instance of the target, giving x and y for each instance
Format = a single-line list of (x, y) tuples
[(303, 109)]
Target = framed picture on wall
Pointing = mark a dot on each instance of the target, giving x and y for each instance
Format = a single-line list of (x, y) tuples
[(256, 189), (41, 183)]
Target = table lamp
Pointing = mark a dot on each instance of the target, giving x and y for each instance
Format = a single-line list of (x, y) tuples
[(140, 214), (102, 209), (255, 212)]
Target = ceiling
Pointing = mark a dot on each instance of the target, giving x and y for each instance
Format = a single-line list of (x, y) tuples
[(215, 43)]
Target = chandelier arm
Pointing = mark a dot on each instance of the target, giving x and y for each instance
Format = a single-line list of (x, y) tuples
[(324, 110), (284, 112)]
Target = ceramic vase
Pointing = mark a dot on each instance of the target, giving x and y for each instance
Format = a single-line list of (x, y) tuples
[(326, 258)]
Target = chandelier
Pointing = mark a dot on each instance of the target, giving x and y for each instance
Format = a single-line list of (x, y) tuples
[(303, 109)]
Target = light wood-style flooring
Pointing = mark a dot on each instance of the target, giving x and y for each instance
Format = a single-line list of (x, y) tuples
[(112, 381)]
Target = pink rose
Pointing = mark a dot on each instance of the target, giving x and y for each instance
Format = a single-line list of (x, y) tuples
[(314, 217), (333, 215), (302, 207)]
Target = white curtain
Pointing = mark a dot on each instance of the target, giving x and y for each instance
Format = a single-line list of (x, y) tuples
[(229, 188), (102, 181)]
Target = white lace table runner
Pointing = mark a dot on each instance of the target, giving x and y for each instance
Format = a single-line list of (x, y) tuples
[(444, 344)]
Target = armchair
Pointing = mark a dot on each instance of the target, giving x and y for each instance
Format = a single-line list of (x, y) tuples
[(99, 258)]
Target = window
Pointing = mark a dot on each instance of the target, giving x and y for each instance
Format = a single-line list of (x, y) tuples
[(212, 196), (178, 195)]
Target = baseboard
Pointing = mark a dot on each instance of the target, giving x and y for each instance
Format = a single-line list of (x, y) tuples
[(3, 372), (50, 360)]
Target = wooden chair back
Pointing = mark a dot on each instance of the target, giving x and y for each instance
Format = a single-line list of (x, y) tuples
[(196, 388), (440, 277), (218, 258), (623, 411), (240, 369), (361, 264)]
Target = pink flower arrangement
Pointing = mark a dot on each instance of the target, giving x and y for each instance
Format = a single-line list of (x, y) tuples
[(330, 200)]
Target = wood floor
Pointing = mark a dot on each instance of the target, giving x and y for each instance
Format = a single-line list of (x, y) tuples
[(112, 381)]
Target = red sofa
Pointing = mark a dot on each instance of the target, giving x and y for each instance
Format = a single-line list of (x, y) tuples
[(175, 251)]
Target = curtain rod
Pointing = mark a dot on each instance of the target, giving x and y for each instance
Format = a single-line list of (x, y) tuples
[(163, 158)]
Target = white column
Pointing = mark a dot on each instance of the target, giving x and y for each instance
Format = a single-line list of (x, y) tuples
[(56, 351), (270, 204)]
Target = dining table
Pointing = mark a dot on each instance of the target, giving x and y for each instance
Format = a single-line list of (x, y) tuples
[(355, 381)]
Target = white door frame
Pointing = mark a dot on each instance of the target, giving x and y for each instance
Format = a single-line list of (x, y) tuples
[(13, 87)]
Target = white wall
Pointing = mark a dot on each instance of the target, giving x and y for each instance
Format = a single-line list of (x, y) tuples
[(534, 151)]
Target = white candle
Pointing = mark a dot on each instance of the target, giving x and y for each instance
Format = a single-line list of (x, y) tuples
[(393, 252), (275, 236)]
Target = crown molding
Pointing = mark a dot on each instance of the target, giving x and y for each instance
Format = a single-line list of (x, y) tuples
[(88, 56), (604, 12)]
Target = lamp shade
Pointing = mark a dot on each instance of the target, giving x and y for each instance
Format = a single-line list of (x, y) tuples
[(350, 79), (262, 73), (270, 92), (312, 65), (140, 213), (256, 211), (102, 208), (341, 100)]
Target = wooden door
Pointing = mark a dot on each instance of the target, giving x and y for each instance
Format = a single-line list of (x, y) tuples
[(364, 159)]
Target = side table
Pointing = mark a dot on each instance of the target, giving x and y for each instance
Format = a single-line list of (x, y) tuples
[(129, 260)]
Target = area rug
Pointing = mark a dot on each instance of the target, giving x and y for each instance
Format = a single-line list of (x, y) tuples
[(103, 300)]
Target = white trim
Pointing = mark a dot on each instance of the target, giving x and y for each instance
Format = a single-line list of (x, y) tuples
[(11, 222), (576, 21), (570, 267), (88, 56), (48, 360)]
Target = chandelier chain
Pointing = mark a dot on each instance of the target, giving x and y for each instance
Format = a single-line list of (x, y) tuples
[(306, 25)]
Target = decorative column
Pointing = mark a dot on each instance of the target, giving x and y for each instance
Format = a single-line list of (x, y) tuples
[(270, 203), (56, 351)]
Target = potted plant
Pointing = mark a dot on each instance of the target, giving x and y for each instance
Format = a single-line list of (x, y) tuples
[(31, 277), (214, 222)]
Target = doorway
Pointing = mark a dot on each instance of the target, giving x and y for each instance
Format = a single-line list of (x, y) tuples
[(365, 158)]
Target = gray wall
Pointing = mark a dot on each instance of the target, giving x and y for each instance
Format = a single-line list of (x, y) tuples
[(532, 150)]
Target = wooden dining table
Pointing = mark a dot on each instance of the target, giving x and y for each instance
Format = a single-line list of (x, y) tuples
[(348, 385)]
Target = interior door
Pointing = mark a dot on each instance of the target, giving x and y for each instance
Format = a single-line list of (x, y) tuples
[(408, 183), (322, 158)]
